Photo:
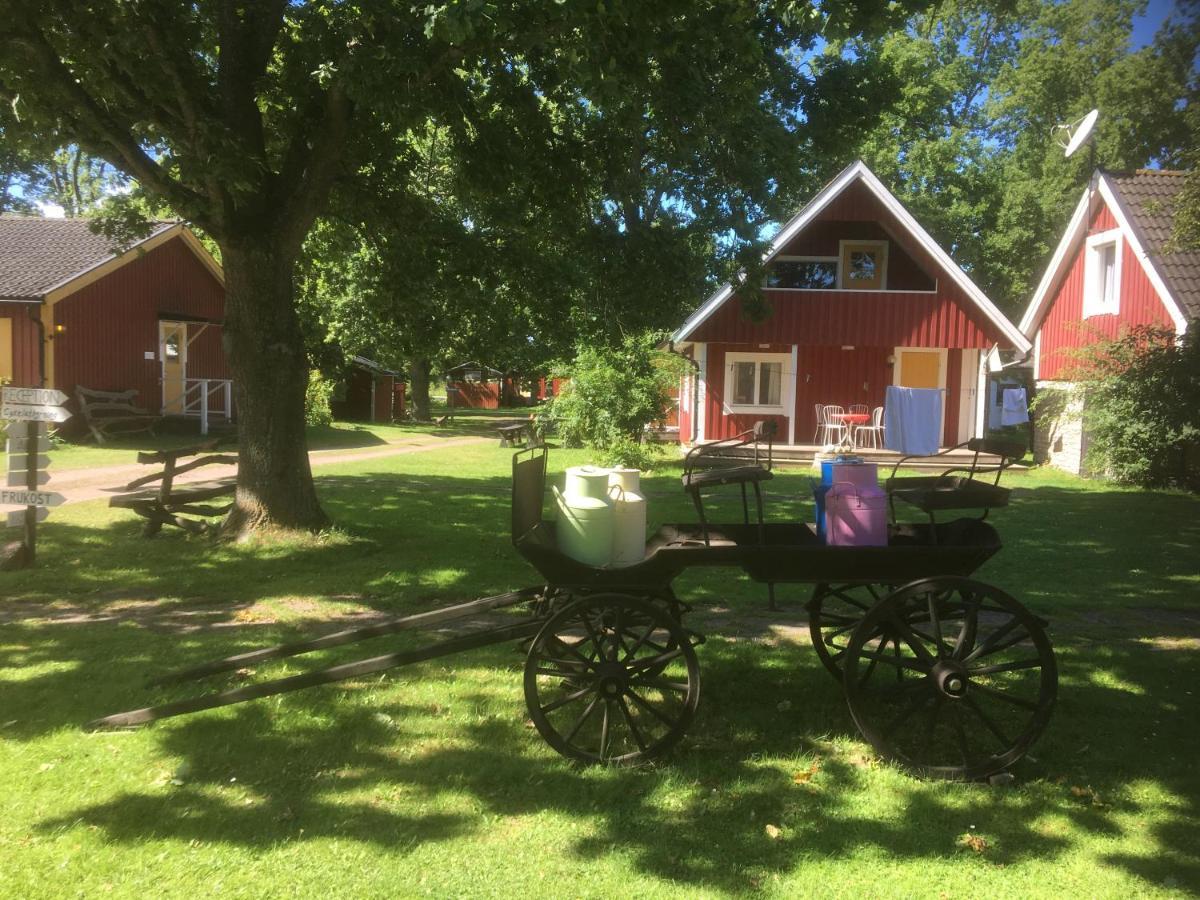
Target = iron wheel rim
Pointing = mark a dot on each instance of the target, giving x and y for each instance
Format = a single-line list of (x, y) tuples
[(966, 687), (612, 679)]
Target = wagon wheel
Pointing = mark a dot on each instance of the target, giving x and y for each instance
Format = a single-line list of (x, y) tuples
[(833, 613), (612, 679), (951, 678)]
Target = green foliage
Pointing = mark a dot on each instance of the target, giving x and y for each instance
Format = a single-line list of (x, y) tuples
[(316, 399), (612, 395), (1141, 408), (631, 454)]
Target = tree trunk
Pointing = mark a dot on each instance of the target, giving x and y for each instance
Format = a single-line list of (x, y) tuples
[(420, 389), (265, 348)]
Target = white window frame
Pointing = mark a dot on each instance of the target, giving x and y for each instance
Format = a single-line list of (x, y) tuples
[(843, 275), (758, 358), (837, 268), (1093, 273)]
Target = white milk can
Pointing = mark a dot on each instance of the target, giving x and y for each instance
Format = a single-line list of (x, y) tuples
[(629, 516), (585, 516)]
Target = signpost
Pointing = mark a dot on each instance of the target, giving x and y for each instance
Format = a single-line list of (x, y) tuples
[(28, 410)]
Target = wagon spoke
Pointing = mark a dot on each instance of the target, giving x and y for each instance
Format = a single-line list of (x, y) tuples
[(644, 640), (604, 731), (988, 721), (992, 641), (645, 704), (648, 663), (918, 648), (873, 663), (904, 715), (570, 698), (936, 620), (1013, 666), (633, 729), (583, 718), (966, 635), (842, 595), (662, 684), (896, 661), (927, 741), (960, 736), (557, 673), (1001, 695)]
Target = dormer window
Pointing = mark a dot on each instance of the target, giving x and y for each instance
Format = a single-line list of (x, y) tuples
[(864, 265), (1102, 274), (814, 273)]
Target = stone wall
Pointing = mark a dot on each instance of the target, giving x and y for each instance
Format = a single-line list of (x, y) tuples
[(1058, 436)]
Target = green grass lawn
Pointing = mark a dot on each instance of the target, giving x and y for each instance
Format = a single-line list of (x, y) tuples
[(428, 782)]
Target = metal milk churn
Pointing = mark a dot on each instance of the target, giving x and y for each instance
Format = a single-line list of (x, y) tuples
[(629, 516), (585, 516)]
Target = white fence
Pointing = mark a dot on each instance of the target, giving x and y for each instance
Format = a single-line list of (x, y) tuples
[(198, 396)]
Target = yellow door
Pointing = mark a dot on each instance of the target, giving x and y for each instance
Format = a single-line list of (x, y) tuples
[(920, 369), (172, 350)]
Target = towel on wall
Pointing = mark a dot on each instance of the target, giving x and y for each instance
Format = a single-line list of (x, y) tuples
[(912, 419), (1014, 408)]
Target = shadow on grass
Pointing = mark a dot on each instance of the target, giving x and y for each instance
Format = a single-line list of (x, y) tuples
[(349, 761), (351, 764)]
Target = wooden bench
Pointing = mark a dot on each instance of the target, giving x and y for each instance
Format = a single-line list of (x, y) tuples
[(166, 504), (106, 411)]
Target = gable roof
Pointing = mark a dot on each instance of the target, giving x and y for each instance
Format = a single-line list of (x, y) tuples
[(858, 171), (39, 255), (1143, 203)]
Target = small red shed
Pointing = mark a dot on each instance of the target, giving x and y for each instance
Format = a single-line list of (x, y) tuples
[(1112, 271), (148, 317), (860, 297), (368, 393)]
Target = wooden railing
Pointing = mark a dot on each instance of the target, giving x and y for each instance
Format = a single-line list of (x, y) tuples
[(196, 399)]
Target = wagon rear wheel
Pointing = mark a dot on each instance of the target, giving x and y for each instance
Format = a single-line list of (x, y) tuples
[(612, 679), (833, 613), (951, 678)]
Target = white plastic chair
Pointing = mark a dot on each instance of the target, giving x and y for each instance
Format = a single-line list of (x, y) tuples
[(831, 430), (874, 430)]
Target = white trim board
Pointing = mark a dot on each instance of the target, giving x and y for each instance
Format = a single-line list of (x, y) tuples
[(858, 171), (1071, 242)]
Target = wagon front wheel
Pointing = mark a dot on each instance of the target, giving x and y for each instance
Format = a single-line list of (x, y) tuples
[(612, 679), (951, 678)]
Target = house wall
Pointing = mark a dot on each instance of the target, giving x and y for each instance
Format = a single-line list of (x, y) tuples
[(1064, 331), (385, 389), (22, 352), (1058, 437), (112, 323), (477, 395), (719, 424)]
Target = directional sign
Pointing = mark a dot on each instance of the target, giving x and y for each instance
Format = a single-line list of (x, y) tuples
[(22, 460), (20, 478), (16, 413), (21, 429), (41, 396), (31, 498), (16, 518), (24, 445)]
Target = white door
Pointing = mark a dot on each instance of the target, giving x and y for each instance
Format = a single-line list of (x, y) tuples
[(172, 352)]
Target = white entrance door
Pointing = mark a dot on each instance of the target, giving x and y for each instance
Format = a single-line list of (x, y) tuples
[(172, 353)]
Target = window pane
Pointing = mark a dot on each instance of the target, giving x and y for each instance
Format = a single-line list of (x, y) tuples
[(862, 265), (790, 273), (743, 383), (768, 384), (1108, 263)]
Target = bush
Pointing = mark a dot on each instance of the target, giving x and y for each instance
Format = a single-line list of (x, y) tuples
[(611, 394), (1141, 408), (630, 454), (316, 400)]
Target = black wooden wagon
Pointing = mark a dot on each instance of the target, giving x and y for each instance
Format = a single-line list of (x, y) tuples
[(943, 674)]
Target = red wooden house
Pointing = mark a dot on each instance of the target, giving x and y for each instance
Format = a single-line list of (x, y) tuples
[(368, 393), (861, 297), (147, 318), (1110, 272)]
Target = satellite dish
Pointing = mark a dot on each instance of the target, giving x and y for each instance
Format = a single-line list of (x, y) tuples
[(1077, 133)]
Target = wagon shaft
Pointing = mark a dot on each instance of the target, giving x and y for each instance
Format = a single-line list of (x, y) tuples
[(343, 672)]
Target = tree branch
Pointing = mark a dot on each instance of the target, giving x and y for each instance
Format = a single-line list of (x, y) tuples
[(112, 138)]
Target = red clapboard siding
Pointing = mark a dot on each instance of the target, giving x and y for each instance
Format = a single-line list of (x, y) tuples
[(24, 342), (831, 375), (1064, 330), (831, 318), (384, 389), (112, 324), (474, 395), (398, 409), (718, 424)]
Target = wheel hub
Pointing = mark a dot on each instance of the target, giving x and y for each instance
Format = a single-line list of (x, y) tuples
[(951, 679), (611, 679)]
